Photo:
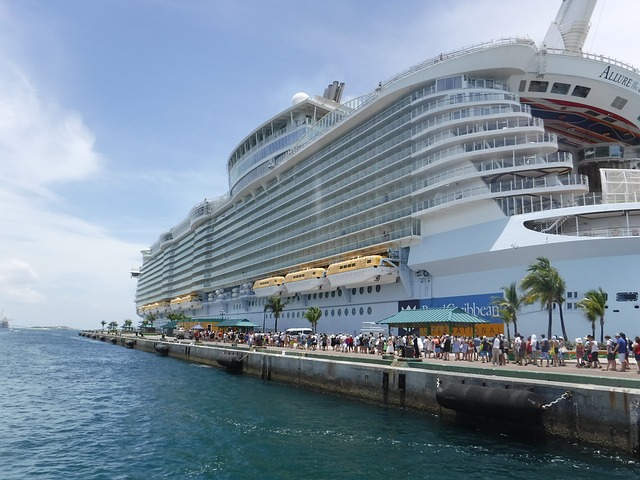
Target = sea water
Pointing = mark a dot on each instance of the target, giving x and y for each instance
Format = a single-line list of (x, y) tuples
[(76, 408)]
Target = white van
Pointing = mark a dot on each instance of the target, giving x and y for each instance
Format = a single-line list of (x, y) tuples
[(298, 331)]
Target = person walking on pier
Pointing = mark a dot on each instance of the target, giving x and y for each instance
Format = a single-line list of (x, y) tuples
[(635, 348), (544, 349), (621, 351), (495, 351), (611, 355), (579, 353), (535, 347)]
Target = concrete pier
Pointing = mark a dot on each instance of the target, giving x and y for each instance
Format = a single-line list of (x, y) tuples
[(586, 406)]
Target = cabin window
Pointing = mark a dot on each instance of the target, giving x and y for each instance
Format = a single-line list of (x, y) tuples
[(560, 88), (449, 83), (538, 86), (619, 103), (361, 311), (580, 91), (523, 86), (627, 297), (369, 310)]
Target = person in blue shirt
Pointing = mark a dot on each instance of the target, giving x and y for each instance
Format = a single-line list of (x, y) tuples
[(621, 350)]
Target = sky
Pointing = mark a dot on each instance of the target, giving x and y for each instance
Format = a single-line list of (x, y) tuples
[(117, 116)]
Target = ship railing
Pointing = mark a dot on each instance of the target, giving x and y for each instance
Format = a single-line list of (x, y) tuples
[(488, 192), (457, 53), (544, 182), (470, 113), (521, 162), (472, 100), (476, 130), (631, 231), (478, 146), (622, 197), (594, 56), (517, 205), (329, 121)]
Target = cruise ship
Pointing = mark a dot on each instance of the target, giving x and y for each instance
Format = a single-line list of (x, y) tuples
[(437, 188)]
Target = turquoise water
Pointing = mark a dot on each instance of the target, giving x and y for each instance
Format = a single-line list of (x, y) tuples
[(74, 408)]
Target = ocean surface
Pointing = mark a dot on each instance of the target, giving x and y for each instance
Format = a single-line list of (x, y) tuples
[(75, 408)]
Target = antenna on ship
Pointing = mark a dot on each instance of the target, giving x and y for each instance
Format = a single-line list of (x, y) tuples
[(571, 26)]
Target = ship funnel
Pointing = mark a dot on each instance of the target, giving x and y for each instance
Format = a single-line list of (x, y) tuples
[(334, 91), (571, 26)]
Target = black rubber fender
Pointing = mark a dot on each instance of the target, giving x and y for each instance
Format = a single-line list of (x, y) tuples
[(507, 404)]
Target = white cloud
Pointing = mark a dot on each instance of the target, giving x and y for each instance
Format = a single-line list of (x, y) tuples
[(16, 280), (40, 143)]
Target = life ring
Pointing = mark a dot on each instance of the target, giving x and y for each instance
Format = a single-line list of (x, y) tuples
[(615, 232)]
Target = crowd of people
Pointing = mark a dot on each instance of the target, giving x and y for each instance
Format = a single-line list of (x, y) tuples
[(497, 350)]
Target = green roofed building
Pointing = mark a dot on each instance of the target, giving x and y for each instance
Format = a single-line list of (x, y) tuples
[(436, 321)]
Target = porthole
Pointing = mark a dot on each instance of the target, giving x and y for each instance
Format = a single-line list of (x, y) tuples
[(333, 312), (353, 291), (378, 288), (339, 312), (339, 293), (361, 290), (369, 289), (346, 312), (369, 310), (333, 294), (326, 313), (361, 311), (353, 311)]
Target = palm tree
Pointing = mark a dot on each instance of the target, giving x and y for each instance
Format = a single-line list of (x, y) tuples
[(144, 324), (178, 317), (103, 323), (540, 285), (113, 326), (509, 305), (507, 317), (127, 324), (594, 305), (313, 315), (150, 319), (558, 297), (276, 305)]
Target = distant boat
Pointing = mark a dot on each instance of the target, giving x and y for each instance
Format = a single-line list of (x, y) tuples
[(4, 322)]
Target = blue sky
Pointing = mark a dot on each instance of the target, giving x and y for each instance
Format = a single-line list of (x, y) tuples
[(117, 116)]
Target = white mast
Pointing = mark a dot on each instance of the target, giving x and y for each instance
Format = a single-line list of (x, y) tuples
[(570, 28)]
